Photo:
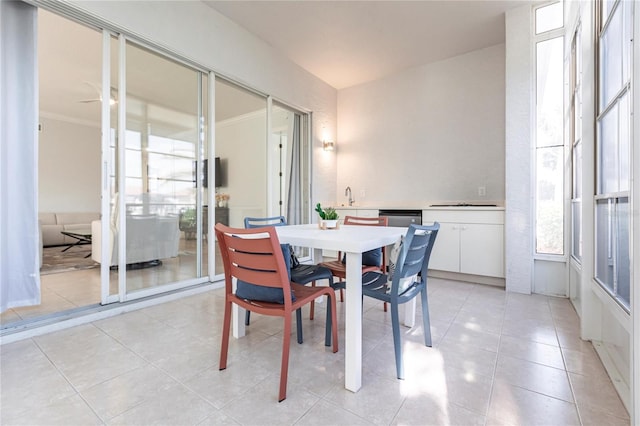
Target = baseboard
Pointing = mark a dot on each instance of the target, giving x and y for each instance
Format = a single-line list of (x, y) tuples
[(618, 382), (477, 279)]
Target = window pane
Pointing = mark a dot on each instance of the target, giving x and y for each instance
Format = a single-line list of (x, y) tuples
[(611, 60), (577, 171), (623, 143), (576, 244), (608, 152), (134, 163), (549, 205), (577, 119), (549, 18), (622, 252), (171, 146), (549, 92), (170, 167), (132, 139), (604, 246), (626, 40)]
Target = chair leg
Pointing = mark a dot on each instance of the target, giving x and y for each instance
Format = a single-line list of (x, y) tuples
[(247, 317), (299, 324), (313, 304), (226, 325), (331, 329), (384, 306), (397, 344), (329, 322), (334, 321), (341, 295), (284, 364), (426, 324)]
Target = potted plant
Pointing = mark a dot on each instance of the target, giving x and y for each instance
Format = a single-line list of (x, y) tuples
[(328, 216), (187, 223)]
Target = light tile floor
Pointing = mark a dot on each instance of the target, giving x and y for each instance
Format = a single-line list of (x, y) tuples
[(69, 290), (496, 359)]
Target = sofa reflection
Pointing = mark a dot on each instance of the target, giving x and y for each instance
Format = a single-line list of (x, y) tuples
[(149, 239)]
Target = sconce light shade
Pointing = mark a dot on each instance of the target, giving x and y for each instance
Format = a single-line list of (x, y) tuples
[(327, 145)]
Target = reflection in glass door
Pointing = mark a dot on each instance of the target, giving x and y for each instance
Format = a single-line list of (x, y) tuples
[(159, 175)]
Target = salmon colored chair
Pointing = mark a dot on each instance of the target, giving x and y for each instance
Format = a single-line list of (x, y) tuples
[(338, 268), (255, 258)]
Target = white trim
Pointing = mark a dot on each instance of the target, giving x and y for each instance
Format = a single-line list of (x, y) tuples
[(105, 161), (199, 188), (612, 306), (269, 159), (616, 378), (211, 196), (560, 258), (634, 206), (120, 173)]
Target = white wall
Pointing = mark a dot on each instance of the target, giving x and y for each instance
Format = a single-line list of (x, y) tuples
[(201, 34), (69, 167), (241, 145), (518, 215), (442, 122)]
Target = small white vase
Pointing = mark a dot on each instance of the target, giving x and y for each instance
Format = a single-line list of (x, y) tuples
[(330, 223)]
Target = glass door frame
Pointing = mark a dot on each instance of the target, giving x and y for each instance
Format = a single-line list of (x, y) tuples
[(206, 135)]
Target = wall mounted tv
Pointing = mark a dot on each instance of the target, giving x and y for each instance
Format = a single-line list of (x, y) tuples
[(218, 173)]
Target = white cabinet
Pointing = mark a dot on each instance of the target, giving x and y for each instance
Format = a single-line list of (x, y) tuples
[(469, 241)]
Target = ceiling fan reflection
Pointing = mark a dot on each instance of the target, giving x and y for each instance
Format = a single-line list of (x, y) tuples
[(113, 95)]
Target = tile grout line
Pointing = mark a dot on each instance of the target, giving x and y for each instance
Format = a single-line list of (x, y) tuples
[(495, 366), (77, 392)]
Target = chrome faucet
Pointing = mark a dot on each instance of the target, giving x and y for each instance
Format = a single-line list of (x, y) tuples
[(347, 192)]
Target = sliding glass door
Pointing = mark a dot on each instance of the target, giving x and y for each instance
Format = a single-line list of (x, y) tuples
[(157, 213)]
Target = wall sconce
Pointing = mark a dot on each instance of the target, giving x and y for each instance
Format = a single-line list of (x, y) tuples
[(327, 145)]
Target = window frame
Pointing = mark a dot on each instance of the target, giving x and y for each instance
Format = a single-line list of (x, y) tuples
[(575, 137), (536, 39), (613, 197)]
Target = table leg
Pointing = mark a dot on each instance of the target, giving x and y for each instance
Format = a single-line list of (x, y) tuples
[(353, 323), (237, 318), (410, 313)]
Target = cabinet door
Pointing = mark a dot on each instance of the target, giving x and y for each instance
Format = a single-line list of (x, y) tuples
[(482, 249), (446, 251)]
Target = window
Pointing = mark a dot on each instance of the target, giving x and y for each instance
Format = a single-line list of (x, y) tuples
[(575, 75), (613, 149), (549, 18), (549, 140)]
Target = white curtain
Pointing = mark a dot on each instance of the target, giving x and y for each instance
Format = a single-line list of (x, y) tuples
[(294, 199), (19, 231)]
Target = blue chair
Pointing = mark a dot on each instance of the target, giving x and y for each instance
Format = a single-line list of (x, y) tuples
[(300, 274), (409, 279)]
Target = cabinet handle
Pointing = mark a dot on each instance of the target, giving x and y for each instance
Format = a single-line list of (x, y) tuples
[(464, 228)]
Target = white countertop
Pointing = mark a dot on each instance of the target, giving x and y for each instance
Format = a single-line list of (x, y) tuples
[(425, 206)]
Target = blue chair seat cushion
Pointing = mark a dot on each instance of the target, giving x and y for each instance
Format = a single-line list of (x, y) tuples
[(369, 258), (248, 291), (303, 274)]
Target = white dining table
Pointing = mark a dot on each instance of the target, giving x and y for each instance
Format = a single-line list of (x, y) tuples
[(352, 240)]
